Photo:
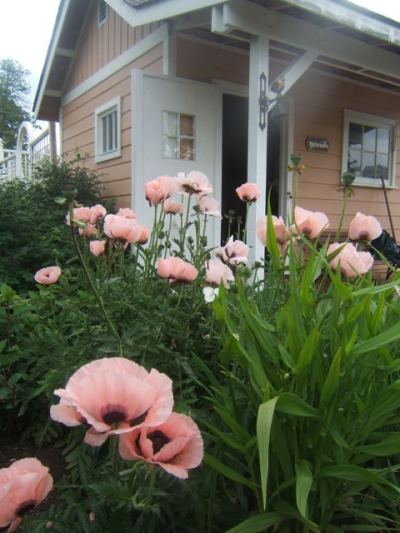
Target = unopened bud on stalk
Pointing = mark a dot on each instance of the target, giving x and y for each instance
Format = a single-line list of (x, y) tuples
[(348, 179)]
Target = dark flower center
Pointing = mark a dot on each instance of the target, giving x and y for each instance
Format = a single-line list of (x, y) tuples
[(364, 236), (158, 439), (307, 231), (25, 507), (138, 420), (113, 414)]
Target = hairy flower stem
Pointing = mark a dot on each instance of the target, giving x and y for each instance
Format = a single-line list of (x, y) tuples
[(346, 196), (168, 236), (185, 228), (295, 192), (91, 283)]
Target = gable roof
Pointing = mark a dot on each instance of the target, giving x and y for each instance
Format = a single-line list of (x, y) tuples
[(348, 19)]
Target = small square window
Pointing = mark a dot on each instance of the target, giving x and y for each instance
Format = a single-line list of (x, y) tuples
[(108, 130), (178, 136), (368, 148), (102, 12)]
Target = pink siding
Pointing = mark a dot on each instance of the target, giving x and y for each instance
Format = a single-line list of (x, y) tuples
[(101, 44), (78, 132)]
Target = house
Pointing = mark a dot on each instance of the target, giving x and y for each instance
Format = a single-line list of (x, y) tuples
[(155, 87)]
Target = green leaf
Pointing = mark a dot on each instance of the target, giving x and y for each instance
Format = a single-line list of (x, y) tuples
[(304, 480), (390, 335), (388, 446), (264, 423), (226, 471), (308, 351), (292, 404), (356, 474), (332, 379), (257, 523), (272, 245)]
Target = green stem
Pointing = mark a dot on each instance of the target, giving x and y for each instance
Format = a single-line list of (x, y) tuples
[(346, 196), (91, 283), (295, 192)]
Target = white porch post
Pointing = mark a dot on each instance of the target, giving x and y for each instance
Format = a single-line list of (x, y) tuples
[(257, 140)]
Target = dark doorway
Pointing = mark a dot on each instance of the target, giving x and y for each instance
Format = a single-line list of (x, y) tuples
[(234, 161)]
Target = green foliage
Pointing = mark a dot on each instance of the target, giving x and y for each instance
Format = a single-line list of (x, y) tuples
[(32, 229), (14, 88)]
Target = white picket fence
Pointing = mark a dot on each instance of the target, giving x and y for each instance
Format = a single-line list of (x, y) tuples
[(30, 150)]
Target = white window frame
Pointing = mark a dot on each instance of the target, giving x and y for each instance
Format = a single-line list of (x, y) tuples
[(101, 22), (376, 121), (114, 104)]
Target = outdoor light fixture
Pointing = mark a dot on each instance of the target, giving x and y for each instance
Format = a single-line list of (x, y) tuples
[(264, 101)]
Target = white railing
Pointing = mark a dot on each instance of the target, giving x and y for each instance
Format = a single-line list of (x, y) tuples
[(20, 163)]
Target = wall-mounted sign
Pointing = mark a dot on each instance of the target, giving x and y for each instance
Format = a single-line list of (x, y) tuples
[(317, 144)]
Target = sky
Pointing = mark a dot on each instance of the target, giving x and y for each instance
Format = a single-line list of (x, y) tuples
[(26, 27)]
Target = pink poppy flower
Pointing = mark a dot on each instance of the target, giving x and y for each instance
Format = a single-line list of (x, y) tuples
[(217, 272), (48, 275), (364, 228), (143, 235), (351, 262), (80, 214), (309, 223), (282, 234), (97, 212), (89, 230), (172, 185), (172, 208), (196, 183), (209, 206), (155, 191), (176, 445), (126, 212), (248, 192), (23, 486), (176, 269), (113, 396), (97, 247), (234, 252), (122, 229)]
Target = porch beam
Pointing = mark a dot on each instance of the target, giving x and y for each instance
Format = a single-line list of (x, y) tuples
[(257, 140), (293, 72), (256, 20)]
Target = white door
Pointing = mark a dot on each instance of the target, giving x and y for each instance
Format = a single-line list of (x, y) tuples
[(176, 127)]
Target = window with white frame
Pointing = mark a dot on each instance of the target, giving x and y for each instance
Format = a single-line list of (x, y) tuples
[(102, 12), (369, 148), (178, 136), (108, 130)]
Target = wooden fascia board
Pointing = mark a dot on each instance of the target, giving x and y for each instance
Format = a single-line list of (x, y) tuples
[(256, 20), (158, 12), (347, 16)]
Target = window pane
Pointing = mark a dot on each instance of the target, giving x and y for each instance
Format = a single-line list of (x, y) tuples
[(110, 133), (368, 165), (170, 123), (383, 140), (187, 125), (382, 166), (369, 139), (104, 134), (354, 162), (355, 135), (187, 149), (170, 148)]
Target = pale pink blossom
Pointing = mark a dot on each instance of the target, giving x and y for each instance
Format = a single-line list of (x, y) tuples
[(364, 228), (248, 192), (234, 252), (176, 445), (209, 206), (351, 262), (23, 486), (195, 183), (217, 272), (97, 247), (282, 234), (89, 230), (155, 191), (176, 269), (122, 229), (80, 215), (309, 223), (48, 275), (97, 212), (126, 212), (143, 236), (113, 396), (172, 208), (171, 185)]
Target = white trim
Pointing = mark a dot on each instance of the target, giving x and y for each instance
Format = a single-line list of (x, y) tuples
[(98, 112), (101, 22), (287, 149), (158, 11), (143, 46), (169, 52), (52, 52), (256, 20), (376, 121), (53, 93), (137, 99), (67, 52)]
